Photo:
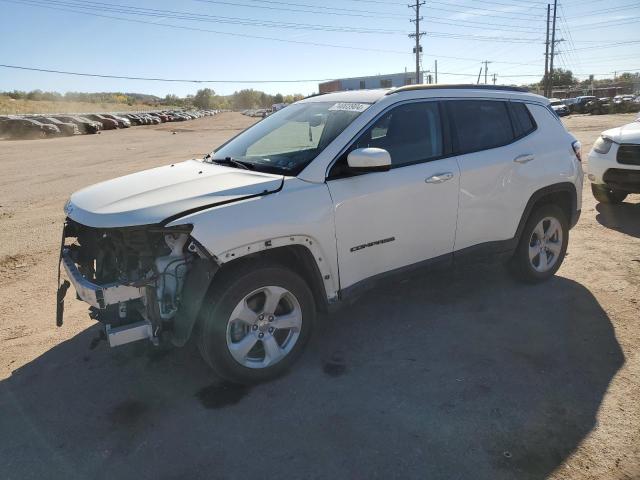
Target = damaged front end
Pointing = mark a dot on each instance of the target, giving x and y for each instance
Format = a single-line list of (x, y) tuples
[(134, 279)]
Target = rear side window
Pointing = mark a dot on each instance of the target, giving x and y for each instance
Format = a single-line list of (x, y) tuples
[(480, 124), (523, 123)]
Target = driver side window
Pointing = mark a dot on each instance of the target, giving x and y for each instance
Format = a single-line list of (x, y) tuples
[(411, 133)]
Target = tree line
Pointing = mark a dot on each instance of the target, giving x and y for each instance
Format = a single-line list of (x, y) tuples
[(565, 78), (240, 100), (204, 98)]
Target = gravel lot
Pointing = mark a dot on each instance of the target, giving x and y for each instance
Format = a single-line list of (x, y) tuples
[(461, 374)]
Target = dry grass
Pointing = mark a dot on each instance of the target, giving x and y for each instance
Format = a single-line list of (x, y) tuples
[(10, 106)]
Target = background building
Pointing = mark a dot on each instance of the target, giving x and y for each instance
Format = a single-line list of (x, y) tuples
[(376, 81)]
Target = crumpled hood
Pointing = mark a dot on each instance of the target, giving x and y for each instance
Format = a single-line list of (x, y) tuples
[(151, 196), (629, 133)]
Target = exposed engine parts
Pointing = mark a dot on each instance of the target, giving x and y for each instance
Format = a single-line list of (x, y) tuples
[(132, 277)]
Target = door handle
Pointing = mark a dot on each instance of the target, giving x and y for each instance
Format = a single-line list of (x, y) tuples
[(439, 177), (524, 158)]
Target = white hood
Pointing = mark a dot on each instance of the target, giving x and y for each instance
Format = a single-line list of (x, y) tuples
[(151, 196), (629, 133)]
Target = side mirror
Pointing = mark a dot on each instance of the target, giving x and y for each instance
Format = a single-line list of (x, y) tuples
[(369, 160)]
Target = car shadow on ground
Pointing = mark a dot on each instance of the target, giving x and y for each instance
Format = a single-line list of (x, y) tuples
[(624, 218), (458, 375)]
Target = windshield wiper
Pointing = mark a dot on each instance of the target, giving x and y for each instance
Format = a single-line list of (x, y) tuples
[(232, 161)]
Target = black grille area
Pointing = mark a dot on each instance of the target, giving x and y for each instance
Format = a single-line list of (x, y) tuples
[(629, 154), (621, 179)]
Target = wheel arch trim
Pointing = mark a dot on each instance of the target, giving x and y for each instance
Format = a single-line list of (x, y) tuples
[(327, 280), (548, 191)]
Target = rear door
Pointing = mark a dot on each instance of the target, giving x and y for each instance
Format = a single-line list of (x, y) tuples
[(388, 220), (496, 166)]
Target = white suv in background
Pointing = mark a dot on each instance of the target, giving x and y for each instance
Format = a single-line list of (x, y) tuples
[(614, 164), (311, 205)]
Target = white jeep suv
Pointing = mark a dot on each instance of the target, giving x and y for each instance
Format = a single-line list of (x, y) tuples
[(311, 205), (614, 164)]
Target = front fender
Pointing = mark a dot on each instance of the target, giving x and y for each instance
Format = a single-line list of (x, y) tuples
[(301, 213)]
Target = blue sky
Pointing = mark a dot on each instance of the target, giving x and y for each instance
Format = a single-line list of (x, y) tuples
[(192, 39)]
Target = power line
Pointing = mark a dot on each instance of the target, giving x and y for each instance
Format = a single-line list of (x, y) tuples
[(157, 79), (606, 10), (36, 3), (180, 80), (521, 5), (526, 16), (217, 32), (315, 9), (608, 45), (182, 15)]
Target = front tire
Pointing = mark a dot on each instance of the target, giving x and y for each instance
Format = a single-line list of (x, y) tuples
[(256, 323), (604, 194), (542, 245)]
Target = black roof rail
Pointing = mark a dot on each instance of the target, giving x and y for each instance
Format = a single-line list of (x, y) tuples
[(457, 86)]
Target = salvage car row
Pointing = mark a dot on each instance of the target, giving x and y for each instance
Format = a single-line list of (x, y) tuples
[(596, 105), (42, 126)]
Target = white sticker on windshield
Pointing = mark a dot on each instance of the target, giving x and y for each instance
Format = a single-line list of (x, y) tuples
[(349, 107)]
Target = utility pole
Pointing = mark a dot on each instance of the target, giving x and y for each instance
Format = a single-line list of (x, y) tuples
[(546, 54), (494, 78), (479, 73), (553, 48), (436, 71), (418, 48), (486, 63)]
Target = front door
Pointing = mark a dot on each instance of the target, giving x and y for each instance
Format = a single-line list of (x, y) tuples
[(388, 220)]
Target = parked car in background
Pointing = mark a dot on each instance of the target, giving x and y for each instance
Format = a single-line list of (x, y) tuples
[(569, 102), (614, 164), (107, 123), (66, 128), (132, 119), (163, 118), (581, 103), (17, 127), (122, 122), (598, 106), (623, 98), (149, 119), (84, 124), (314, 205), (559, 107)]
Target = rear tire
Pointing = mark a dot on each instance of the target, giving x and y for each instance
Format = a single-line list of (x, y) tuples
[(256, 323), (604, 194), (542, 245)]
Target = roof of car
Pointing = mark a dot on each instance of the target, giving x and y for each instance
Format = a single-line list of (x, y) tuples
[(502, 88), (372, 96), (365, 96)]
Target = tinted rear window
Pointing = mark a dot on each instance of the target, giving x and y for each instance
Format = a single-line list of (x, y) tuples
[(480, 124), (522, 122)]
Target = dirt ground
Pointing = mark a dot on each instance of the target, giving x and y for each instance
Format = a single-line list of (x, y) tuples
[(462, 374)]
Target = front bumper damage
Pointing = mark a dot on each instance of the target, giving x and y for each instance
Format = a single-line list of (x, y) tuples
[(98, 296), (143, 297)]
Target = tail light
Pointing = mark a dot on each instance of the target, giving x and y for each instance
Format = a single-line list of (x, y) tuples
[(577, 149)]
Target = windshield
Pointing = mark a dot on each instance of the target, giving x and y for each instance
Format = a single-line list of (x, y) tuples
[(288, 140)]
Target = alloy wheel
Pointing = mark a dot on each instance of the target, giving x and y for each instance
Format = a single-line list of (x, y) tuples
[(264, 327), (545, 244)]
